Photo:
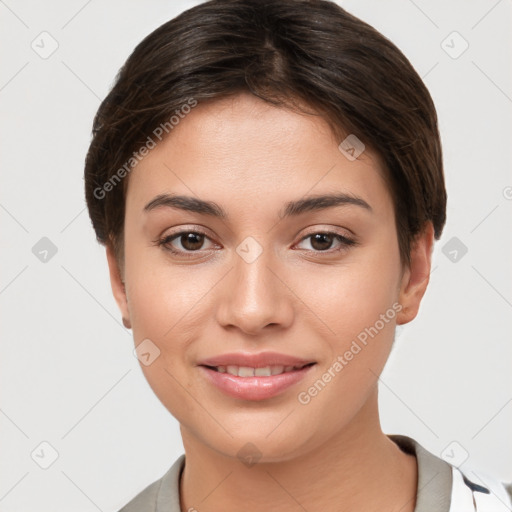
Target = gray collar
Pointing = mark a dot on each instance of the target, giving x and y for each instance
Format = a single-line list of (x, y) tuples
[(434, 476)]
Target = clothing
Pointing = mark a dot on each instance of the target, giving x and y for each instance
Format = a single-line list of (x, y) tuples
[(441, 487)]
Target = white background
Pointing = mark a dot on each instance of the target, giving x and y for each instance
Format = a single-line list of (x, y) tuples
[(68, 375)]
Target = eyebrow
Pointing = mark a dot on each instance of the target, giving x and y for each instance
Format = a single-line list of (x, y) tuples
[(292, 208)]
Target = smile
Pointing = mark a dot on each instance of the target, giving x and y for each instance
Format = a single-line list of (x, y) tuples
[(251, 383), (247, 371)]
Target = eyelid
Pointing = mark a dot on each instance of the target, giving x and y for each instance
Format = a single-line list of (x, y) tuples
[(345, 241), (166, 239), (329, 229), (180, 230)]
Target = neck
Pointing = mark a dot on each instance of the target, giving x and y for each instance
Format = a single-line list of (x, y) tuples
[(359, 468)]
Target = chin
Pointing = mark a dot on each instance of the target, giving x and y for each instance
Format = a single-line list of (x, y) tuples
[(257, 446)]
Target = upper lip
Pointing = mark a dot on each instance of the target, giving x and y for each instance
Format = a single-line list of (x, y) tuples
[(258, 360)]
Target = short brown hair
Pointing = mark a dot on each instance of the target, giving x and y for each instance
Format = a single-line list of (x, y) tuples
[(286, 52)]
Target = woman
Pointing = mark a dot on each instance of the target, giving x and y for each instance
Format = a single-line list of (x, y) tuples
[(267, 179)]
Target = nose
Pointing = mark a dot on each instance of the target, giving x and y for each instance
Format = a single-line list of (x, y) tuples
[(254, 297)]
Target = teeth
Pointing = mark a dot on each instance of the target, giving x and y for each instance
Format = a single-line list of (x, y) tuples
[(232, 370), (247, 371), (263, 372)]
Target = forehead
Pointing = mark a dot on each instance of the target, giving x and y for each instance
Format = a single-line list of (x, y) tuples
[(245, 150)]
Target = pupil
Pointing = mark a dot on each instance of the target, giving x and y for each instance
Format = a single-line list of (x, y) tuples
[(321, 237), (192, 241)]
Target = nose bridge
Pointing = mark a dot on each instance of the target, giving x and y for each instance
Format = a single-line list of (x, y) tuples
[(254, 297)]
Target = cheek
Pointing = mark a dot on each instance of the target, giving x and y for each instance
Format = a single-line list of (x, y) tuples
[(358, 304), (169, 305), (163, 303), (163, 308), (161, 295), (352, 296)]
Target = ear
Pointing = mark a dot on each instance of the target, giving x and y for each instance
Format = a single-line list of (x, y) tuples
[(417, 275), (118, 287)]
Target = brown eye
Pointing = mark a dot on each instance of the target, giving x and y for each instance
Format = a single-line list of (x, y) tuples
[(324, 241), (185, 242), (321, 241), (192, 241)]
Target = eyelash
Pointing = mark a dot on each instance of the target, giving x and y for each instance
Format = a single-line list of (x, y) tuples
[(344, 241)]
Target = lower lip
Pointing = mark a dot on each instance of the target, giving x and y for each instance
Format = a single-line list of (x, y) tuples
[(254, 388)]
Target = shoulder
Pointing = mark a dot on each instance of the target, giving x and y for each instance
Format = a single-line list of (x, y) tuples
[(162, 494), (441, 484), (434, 476), (145, 501)]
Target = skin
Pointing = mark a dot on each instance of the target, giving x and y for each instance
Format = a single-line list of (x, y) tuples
[(251, 158)]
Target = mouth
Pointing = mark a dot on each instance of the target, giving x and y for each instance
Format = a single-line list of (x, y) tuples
[(264, 371), (254, 383)]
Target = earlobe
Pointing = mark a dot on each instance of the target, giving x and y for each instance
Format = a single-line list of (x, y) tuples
[(118, 286), (416, 277)]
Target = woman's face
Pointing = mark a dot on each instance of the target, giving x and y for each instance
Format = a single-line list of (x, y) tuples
[(320, 283)]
